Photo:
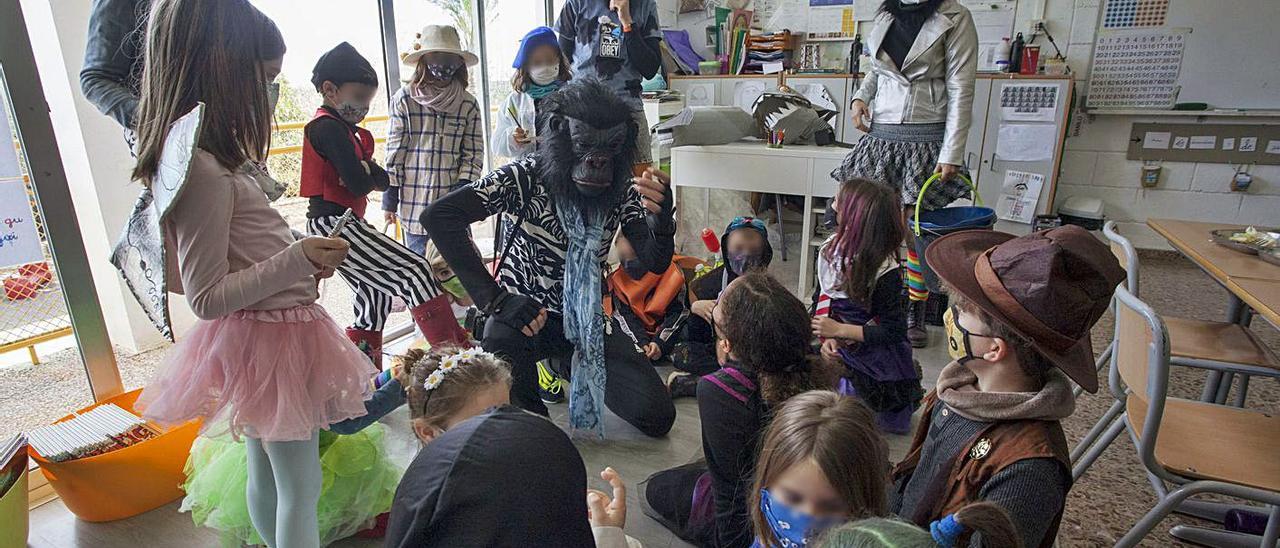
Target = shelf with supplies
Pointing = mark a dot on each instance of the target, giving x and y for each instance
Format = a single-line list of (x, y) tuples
[(1223, 113)]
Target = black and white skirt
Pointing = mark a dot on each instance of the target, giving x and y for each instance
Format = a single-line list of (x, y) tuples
[(903, 156)]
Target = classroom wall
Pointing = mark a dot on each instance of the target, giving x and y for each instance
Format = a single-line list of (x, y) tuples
[(1094, 162)]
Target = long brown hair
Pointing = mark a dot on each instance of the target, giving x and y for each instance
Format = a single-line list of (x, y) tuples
[(456, 388), (871, 229), (769, 331), (980, 517), (207, 51), (839, 434)]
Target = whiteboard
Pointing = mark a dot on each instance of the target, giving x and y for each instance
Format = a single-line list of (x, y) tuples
[(1230, 56)]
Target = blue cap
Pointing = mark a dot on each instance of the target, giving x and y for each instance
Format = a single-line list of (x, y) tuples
[(541, 36)]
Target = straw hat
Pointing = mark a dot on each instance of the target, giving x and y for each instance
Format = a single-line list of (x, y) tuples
[(437, 38)]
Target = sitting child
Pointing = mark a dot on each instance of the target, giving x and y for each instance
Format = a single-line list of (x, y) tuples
[(744, 246), (648, 309), (503, 478), (983, 518), (765, 357), (858, 308), (822, 463), (991, 429)]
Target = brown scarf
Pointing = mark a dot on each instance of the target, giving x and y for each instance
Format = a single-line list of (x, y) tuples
[(445, 98), (958, 388)]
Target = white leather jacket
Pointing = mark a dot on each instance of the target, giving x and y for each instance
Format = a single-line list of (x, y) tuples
[(936, 81)]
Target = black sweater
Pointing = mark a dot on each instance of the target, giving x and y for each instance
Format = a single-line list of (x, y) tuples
[(331, 139), (731, 431)]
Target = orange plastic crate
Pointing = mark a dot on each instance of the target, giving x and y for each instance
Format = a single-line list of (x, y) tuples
[(126, 482)]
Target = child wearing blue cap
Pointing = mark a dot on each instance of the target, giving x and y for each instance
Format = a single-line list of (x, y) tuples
[(541, 68)]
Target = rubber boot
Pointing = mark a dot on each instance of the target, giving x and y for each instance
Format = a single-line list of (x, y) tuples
[(916, 332), (895, 422), (435, 319), (369, 342)]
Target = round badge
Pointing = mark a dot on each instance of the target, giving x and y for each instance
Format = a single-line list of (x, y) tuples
[(980, 449)]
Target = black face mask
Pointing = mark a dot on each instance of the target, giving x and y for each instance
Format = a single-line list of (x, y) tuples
[(829, 217), (741, 263), (443, 72), (634, 268)]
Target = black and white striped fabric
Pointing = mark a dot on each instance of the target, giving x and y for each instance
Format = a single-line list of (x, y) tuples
[(535, 267), (378, 268)]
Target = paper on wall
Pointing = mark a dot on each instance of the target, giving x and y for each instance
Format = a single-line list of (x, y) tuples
[(1029, 102), (8, 147), (700, 94), (745, 93), (1248, 144), (1203, 142), (1136, 68), (19, 241), (1157, 140), (792, 15), (1026, 142), (1019, 195), (994, 22)]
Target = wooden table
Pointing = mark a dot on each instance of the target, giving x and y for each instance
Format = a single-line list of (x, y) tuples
[(1251, 281)]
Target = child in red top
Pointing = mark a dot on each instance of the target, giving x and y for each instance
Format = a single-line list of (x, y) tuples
[(338, 172)]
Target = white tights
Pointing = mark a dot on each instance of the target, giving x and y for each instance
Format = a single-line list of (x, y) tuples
[(283, 490)]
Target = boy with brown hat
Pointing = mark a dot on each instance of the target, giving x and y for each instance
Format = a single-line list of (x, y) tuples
[(1018, 331)]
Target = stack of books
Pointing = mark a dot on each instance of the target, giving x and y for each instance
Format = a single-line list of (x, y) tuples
[(100, 430)]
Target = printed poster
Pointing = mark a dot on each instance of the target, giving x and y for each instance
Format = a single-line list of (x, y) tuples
[(19, 241), (1019, 195)]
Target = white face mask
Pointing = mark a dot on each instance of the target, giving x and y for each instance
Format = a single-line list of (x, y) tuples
[(545, 74)]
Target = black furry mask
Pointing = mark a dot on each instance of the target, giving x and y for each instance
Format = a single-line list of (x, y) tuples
[(586, 144), (912, 15)]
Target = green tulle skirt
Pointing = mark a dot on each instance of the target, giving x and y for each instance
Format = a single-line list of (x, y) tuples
[(359, 483)]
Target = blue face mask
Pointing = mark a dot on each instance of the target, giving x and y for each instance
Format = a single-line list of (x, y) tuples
[(792, 527)]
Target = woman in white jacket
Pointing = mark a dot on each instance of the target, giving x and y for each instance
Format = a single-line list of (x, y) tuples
[(916, 105), (540, 70)]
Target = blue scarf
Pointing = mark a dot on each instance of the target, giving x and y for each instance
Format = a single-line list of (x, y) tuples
[(538, 92), (584, 316)]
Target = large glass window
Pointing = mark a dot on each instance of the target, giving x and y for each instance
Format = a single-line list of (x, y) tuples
[(507, 22)]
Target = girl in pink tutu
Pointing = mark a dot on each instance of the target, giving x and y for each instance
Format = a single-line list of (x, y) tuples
[(265, 360)]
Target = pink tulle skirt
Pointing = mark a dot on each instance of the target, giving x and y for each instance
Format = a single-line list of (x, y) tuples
[(275, 375)]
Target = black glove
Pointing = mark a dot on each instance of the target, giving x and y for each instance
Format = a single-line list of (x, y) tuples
[(513, 310), (663, 222)]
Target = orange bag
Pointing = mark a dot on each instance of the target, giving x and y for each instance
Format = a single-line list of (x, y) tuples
[(125, 482)]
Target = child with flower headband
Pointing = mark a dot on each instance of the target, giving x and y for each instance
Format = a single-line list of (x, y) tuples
[(448, 385), (983, 518)]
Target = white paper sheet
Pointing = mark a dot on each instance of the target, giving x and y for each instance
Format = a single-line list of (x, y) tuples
[(19, 242), (1228, 143), (1026, 142), (1180, 143), (994, 22), (1029, 102), (745, 93), (792, 15), (1248, 144), (1157, 140), (700, 94), (1203, 142), (1273, 147), (1019, 195), (1136, 68), (772, 68), (818, 95)]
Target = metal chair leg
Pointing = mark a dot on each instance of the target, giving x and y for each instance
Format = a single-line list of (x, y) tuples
[(1218, 538), (1224, 388), (1243, 392), (1079, 468), (1091, 436), (1157, 513), (1211, 383), (1272, 532)]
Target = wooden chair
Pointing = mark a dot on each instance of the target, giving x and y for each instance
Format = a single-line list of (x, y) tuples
[(1195, 447), (1215, 346)]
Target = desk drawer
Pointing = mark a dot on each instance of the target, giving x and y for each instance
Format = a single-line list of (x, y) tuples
[(822, 185)]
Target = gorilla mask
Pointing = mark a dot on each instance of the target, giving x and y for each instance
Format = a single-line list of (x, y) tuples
[(586, 143)]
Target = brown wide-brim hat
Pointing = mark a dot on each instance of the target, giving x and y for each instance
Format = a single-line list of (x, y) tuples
[(1050, 287)]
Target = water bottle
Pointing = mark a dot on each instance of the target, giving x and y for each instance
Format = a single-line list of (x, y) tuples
[(1002, 55)]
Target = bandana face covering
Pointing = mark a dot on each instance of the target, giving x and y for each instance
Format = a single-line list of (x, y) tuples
[(742, 262), (454, 287), (792, 527), (352, 112), (273, 97)]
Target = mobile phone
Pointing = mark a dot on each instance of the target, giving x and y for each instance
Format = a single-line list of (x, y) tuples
[(342, 223)]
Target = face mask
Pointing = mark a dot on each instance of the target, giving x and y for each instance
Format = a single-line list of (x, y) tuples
[(791, 526), (454, 287), (443, 72), (545, 74), (634, 268), (742, 262), (829, 217), (273, 97), (958, 346), (352, 111)]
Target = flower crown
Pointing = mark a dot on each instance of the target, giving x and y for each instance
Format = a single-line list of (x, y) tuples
[(450, 363)]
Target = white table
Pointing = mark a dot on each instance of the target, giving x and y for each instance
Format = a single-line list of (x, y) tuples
[(750, 166)]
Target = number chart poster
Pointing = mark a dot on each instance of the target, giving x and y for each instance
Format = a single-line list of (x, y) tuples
[(1136, 69), (19, 241)]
